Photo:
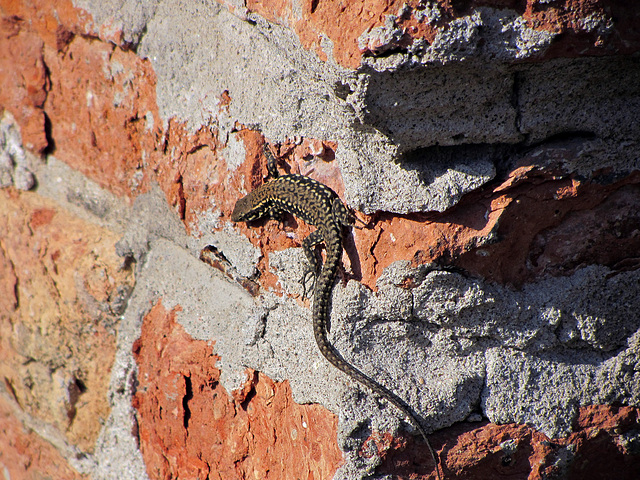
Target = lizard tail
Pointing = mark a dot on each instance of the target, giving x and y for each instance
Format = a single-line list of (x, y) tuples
[(320, 329)]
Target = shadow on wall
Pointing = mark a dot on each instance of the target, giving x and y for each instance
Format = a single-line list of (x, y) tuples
[(516, 104)]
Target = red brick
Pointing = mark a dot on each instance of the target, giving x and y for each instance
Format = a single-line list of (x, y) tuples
[(473, 450), (191, 426)]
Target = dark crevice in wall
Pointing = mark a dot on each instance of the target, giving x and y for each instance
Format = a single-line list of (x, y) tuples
[(185, 401)]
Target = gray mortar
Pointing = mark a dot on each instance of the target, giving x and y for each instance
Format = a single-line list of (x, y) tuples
[(237, 248), (81, 196), (117, 451), (556, 345), (602, 98), (16, 164), (443, 105), (128, 17), (487, 34)]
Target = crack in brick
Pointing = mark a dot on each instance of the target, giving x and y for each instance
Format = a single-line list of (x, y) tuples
[(185, 401)]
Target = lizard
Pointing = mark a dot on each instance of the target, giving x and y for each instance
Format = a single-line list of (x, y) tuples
[(319, 206)]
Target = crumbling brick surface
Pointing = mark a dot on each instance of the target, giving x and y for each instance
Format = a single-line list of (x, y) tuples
[(490, 151)]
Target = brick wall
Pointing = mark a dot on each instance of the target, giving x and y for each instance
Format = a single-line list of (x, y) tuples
[(491, 150)]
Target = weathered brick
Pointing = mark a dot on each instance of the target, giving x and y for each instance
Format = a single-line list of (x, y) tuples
[(25, 455), (190, 426), (65, 288)]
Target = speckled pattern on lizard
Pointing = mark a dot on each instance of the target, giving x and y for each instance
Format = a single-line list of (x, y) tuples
[(320, 206)]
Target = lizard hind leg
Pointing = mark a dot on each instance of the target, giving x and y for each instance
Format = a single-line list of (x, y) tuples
[(342, 214), (309, 246)]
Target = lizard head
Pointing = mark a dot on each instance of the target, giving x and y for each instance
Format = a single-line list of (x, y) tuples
[(245, 210)]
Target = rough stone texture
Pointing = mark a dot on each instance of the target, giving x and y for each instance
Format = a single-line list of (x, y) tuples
[(191, 427), (63, 289), (441, 30), (482, 450), (24, 69), (111, 95), (64, 72), (14, 166), (25, 454), (491, 151), (166, 345)]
